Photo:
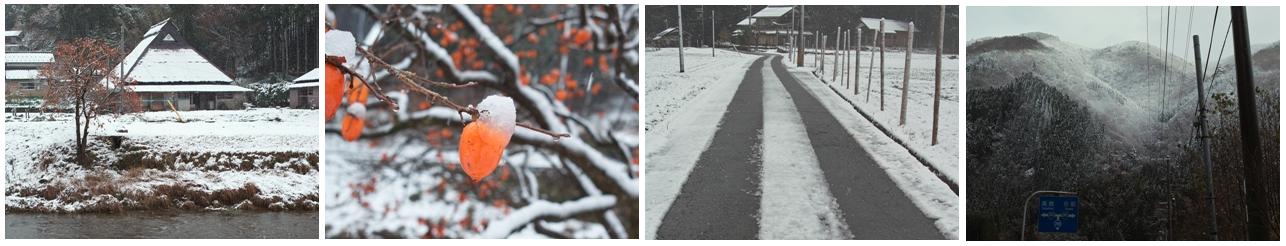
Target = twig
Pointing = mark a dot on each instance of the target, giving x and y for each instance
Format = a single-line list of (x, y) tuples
[(334, 61), (546, 132), (409, 79)]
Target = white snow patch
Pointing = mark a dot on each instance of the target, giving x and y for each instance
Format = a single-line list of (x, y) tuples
[(796, 202), (341, 43)]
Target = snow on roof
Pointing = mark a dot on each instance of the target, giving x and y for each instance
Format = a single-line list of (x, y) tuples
[(312, 76), (667, 31), (175, 65), (156, 27), (21, 74), (189, 88), (312, 84), (30, 57), (13, 33), (890, 26), (145, 64), (773, 11)]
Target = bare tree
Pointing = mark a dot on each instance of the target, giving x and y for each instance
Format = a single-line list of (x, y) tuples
[(82, 79)]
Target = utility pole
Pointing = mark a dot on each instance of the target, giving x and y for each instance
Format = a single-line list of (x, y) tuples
[(937, 72), (712, 42), (906, 73), (1203, 136), (680, 38), (848, 35), (822, 57), (1256, 194)]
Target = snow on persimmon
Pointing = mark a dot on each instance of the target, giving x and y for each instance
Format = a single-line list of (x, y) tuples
[(484, 140)]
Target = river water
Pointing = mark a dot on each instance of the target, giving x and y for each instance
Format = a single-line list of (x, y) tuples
[(163, 224)]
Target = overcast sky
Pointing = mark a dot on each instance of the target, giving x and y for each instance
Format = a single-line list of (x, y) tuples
[(1098, 27)]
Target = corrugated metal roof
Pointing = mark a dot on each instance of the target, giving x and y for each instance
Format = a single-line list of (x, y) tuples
[(773, 11), (189, 88), (313, 75), (28, 57), (890, 26), (21, 74)]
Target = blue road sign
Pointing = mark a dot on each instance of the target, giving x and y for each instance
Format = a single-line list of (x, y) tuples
[(1058, 214)]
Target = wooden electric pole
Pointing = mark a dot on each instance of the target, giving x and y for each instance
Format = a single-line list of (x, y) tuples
[(1257, 204), (1203, 136), (882, 64)]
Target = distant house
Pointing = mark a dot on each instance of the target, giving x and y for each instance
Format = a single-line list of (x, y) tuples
[(304, 90), (20, 77), (168, 70), (770, 26), (670, 38), (12, 40), (895, 31)]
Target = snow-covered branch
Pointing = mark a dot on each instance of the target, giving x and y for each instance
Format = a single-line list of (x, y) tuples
[(543, 209)]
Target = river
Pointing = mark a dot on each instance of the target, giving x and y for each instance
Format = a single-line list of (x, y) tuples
[(163, 224)]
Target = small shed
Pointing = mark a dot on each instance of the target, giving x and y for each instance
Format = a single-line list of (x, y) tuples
[(895, 31), (304, 90)]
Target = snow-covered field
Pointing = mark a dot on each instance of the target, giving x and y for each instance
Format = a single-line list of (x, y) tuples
[(933, 197), (916, 134), (262, 158), (685, 107)]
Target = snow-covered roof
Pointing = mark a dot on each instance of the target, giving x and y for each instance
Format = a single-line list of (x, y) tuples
[(667, 31), (29, 57), (773, 11), (21, 74), (312, 84), (13, 33), (189, 88), (312, 76), (890, 26), (173, 63)]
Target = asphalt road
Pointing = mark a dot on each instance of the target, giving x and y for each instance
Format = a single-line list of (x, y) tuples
[(872, 205), (720, 198)]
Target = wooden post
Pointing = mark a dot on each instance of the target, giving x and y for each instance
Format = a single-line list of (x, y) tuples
[(937, 73), (1256, 193), (857, 62), (800, 34), (906, 72), (844, 76), (870, 67), (848, 53), (835, 71), (882, 38), (821, 58), (712, 42), (680, 38)]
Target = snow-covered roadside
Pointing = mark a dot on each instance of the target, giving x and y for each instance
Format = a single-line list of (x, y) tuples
[(933, 197), (269, 159), (796, 203), (917, 133), (686, 107)]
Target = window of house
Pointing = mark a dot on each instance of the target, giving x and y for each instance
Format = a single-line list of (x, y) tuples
[(28, 85), (224, 96)]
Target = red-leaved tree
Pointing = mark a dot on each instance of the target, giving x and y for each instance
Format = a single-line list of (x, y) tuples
[(82, 80)]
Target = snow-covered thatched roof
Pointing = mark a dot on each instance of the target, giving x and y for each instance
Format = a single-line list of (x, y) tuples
[(309, 79), (890, 26), (164, 57)]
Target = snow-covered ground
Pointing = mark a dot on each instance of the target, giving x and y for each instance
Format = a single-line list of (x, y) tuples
[(916, 134), (933, 197), (685, 107), (164, 163), (796, 203)]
